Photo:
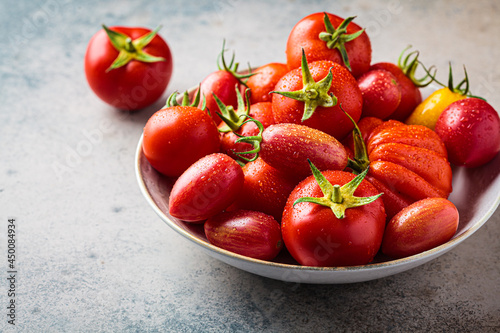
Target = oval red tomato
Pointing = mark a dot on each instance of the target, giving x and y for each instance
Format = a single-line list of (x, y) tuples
[(249, 233), (137, 83), (419, 227), (206, 188)]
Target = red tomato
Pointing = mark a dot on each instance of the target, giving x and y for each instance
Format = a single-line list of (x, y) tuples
[(260, 111), (410, 93), (331, 119), (407, 163), (134, 84), (206, 188), (287, 147), (169, 130), (315, 236), (470, 129), (263, 82), (419, 227), (381, 93), (221, 83), (312, 35), (265, 189), (249, 233)]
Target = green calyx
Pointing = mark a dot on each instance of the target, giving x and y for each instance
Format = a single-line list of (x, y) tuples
[(336, 38), (233, 67), (233, 119), (361, 162), (254, 140), (172, 100), (462, 88), (409, 65), (130, 49), (313, 93), (338, 198)]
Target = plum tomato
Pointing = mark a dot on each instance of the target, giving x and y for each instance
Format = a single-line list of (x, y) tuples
[(421, 226), (381, 93), (128, 68), (333, 219), (325, 36), (206, 188), (316, 95), (265, 189), (169, 130), (288, 147), (249, 233), (470, 130), (264, 81)]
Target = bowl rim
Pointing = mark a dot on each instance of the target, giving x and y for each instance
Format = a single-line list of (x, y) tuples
[(429, 254)]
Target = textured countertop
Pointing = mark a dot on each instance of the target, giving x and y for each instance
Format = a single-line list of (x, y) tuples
[(91, 254)]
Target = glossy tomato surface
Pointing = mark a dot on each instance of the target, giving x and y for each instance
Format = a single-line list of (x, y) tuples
[(305, 35), (135, 85), (314, 236), (176, 137)]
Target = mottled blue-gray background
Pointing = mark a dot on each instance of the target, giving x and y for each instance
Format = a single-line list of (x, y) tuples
[(92, 255)]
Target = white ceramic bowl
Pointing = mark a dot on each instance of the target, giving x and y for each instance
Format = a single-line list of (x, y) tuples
[(476, 193)]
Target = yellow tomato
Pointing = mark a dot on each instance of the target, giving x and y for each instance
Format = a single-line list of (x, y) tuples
[(428, 111)]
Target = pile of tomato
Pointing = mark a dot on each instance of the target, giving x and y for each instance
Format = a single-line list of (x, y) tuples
[(328, 156)]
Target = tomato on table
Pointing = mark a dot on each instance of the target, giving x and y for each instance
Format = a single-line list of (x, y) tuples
[(128, 68)]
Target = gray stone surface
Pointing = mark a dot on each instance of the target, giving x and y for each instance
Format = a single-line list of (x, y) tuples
[(92, 255)]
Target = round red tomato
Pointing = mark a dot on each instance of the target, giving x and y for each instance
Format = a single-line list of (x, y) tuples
[(329, 119), (321, 42), (168, 133), (264, 81), (128, 68), (315, 236), (470, 130), (410, 93), (266, 189)]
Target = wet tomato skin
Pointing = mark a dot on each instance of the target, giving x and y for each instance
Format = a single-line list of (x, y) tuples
[(206, 188), (470, 130), (315, 237), (249, 233), (419, 227), (167, 132), (287, 147)]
